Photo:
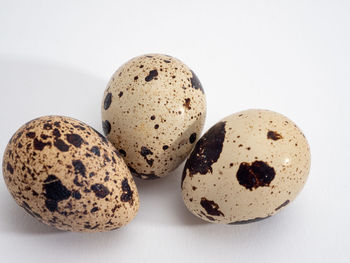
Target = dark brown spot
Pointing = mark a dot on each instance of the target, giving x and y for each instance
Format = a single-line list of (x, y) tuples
[(107, 101), (274, 135), (50, 204), (79, 127), (57, 124), (74, 139), (79, 168), (136, 77), (193, 137), (88, 226), (153, 117), (76, 181), (282, 205), (166, 61), (209, 217), (39, 145), (120, 94), (54, 191), (95, 150), (145, 152), (56, 133), (152, 74), (30, 135), (211, 207), (115, 208), (47, 126), (187, 103), (206, 152), (122, 152), (9, 168), (195, 82), (257, 219), (150, 161), (61, 145), (165, 147), (156, 126), (100, 190), (142, 175), (44, 136), (94, 209), (76, 195), (255, 175), (106, 126), (127, 193)]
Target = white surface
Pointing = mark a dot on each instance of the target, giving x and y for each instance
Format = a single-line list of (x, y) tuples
[(288, 56)]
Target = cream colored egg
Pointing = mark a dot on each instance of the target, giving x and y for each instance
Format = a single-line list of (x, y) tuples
[(153, 111), (247, 167), (67, 175)]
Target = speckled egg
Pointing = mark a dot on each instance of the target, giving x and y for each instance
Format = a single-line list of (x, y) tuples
[(245, 168), (153, 111), (67, 175)]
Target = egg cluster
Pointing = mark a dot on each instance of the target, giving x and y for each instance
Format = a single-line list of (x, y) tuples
[(245, 168)]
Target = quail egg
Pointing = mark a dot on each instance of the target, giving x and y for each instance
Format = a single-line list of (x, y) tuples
[(245, 168), (67, 175), (153, 112)]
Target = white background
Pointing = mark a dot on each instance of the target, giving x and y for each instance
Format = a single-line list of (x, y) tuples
[(288, 56)]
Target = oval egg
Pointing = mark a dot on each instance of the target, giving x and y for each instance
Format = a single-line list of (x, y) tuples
[(245, 168), (67, 175), (153, 111)]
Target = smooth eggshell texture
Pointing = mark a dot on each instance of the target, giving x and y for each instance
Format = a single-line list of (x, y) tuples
[(245, 168), (67, 175), (153, 111)]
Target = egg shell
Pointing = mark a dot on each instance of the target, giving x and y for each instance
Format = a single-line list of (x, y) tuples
[(153, 111), (245, 168), (67, 175)]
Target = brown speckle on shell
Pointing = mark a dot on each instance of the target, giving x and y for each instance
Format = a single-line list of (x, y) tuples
[(106, 125), (206, 152), (211, 207), (107, 101), (256, 174), (152, 74), (274, 135)]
